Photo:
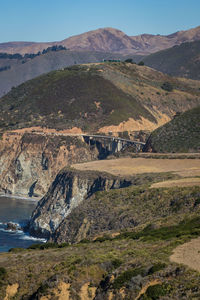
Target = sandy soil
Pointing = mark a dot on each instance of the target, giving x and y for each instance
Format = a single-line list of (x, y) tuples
[(179, 182), (144, 289), (188, 254), (11, 291), (131, 166)]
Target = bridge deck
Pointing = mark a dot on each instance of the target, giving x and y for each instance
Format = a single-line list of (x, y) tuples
[(113, 138)]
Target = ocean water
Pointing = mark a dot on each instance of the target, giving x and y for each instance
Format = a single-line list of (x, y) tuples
[(18, 211)]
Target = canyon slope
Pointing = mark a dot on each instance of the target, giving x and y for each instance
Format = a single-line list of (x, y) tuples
[(110, 40)]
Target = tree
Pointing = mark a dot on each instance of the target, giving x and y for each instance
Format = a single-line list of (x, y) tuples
[(167, 86)]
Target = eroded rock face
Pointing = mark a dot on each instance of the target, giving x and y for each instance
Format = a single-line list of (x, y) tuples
[(68, 190), (30, 162)]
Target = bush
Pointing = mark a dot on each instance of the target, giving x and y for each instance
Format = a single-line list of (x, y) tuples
[(116, 263), (126, 277), (129, 60), (156, 291), (3, 273), (102, 239), (157, 267), (141, 63), (167, 86), (16, 250), (47, 246)]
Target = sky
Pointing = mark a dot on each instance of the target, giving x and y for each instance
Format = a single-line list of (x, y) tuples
[(55, 20)]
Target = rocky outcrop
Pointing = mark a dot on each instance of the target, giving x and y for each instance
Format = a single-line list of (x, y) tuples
[(29, 162), (69, 189)]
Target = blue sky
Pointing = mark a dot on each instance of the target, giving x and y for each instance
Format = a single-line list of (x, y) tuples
[(51, 20)]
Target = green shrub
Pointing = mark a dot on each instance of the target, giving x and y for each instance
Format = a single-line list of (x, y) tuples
[(167, 86), (47, 246), (141, 63), (116, 263), (157, 267), (102, 239), (186, 228), (129, 60), (16, 250), (126, 277), (156, 291), (3, 273)]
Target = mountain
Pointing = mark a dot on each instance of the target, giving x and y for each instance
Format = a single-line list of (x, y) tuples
[(182, 60), (182, 134), (153, 43), (98, 97), (109, 40)]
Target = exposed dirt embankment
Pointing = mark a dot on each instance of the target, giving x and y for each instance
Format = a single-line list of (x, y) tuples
[(68, 190), (29, 161)]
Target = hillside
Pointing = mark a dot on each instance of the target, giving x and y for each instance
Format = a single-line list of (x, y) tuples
[(27, 68), (182, 61), (182, 134), (110, 40), (98, 97), (125, 238)]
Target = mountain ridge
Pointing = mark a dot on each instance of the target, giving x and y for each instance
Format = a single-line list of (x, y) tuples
[(111, 40)]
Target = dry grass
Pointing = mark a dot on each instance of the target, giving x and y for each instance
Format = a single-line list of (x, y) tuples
[(188, 254), (191, 181), (132, 166)]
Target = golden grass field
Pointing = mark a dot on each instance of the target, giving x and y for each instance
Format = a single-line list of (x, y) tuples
[(131, 166), (183, 182)]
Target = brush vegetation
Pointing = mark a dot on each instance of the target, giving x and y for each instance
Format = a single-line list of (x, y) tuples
[(93, 96), (182, 134), (128, 261)]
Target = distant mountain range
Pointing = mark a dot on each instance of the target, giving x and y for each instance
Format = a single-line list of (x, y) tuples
[(109, 40)]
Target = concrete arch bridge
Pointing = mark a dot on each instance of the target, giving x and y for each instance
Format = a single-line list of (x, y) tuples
[(107, 145)]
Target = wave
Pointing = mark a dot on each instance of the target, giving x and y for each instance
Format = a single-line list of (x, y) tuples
[(11, 231), (32, 238), (20, 197), (23, 235)]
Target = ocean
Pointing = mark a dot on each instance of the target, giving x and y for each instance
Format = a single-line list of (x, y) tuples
[(18, 211)]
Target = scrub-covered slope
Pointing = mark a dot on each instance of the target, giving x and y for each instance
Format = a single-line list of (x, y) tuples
[(106, 97), (182, 134)]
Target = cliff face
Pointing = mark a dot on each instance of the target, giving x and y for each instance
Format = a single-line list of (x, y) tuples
[(29, 162), (69, 189)]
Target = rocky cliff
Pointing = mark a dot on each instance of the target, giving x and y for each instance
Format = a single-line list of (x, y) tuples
[(69, 189), (29, 162)]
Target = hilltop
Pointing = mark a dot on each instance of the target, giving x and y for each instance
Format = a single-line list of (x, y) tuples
[(182, 60), (110, 40), (98, 97), (179, 135), (28, 68)]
